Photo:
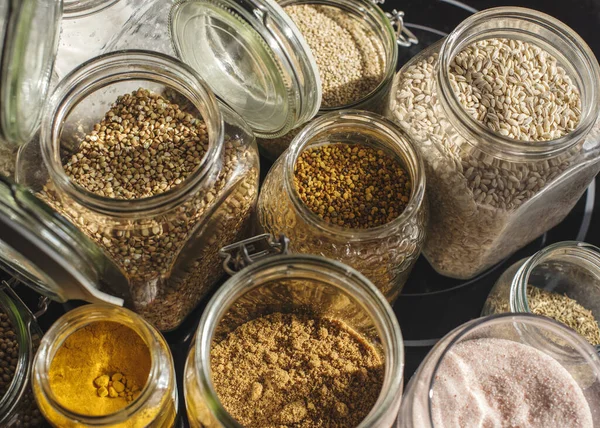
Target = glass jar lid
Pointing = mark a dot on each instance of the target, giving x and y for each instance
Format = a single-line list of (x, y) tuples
[(46, 253), (29, 43), (253, 57), (81, 8)]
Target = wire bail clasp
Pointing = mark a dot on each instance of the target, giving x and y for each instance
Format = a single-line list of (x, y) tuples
[(243, 253), (404, 37)]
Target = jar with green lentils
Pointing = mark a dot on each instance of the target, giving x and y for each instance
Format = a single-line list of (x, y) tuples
[(136, 153), (19, 339), (351, 187), (505, 114)]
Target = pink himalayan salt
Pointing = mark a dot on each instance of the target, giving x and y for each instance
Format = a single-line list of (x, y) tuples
[(501, 383)]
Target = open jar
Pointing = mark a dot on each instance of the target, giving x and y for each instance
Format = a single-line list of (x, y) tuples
[(27, 57), (294, 284), (159, 253), (570, 269), (518, 369), (17, 405), (385, 254), (156, 403), (494, 190)]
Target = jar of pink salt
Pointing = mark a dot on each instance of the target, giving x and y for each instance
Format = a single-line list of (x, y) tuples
[(506, 370)]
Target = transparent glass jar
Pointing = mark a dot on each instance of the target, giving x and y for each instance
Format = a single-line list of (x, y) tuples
[(369, 19), (547, 336), (165, 246), (156, 406), (17, 406), (491, 195), (284, 284), (86, 28), (566, 268), (384, 254)]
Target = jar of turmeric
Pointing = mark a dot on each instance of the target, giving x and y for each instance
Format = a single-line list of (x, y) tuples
[(104, 366)]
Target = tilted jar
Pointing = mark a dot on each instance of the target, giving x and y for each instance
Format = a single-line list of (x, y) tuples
[(567, 268), (545, 335), (17, 407), (384, 254), (491, 195), (291, 283), (156, 405), (158, 254)]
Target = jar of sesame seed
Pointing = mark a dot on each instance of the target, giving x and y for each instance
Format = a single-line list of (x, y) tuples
[(145, 175), (505, 113), (351, 187)]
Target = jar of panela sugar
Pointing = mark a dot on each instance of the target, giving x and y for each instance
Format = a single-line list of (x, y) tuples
[(294, 340), (104, 366)]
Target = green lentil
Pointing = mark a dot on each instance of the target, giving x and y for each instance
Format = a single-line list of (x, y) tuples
[(350, 185)]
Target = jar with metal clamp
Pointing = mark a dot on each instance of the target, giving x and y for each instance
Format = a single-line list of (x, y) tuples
[(17, 404), (271, 281), (29, 32), (275, 43)]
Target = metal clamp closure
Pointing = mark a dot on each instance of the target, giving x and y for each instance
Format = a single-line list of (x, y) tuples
[(404, 37), (43, 301), (243, 253)]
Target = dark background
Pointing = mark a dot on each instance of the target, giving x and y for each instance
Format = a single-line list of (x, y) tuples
[(431, 305)]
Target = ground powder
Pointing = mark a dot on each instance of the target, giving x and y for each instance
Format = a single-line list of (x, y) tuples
[(285, 370), (501, 383)]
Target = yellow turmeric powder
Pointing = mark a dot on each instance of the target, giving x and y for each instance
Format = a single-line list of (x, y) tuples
[(99, 349)]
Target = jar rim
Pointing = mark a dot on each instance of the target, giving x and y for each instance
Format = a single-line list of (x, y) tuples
[(278, 267), (518, 289), (103, 71), (20, 381), (477, 27), (386, 32), (461, 332), (79, 8), (75, 320), (362, 120)]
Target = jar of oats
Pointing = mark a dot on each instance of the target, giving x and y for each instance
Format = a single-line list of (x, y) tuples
[(505, 112), (138, 156), (351, 187), (295, 340)]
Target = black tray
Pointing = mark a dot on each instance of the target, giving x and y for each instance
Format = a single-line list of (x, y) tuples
[(430, 305)]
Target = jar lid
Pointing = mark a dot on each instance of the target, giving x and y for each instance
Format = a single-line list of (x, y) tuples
[(253, 57), (29, 40), (51, 256)]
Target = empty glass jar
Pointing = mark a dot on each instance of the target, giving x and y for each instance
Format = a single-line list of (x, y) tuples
[(491, 194), (294, 284), (384, 254), (555, 348)]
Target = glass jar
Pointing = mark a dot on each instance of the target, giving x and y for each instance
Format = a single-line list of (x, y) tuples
[(384, 254), (26, 59), (369, 19), (156, 406), (165, 246), (17, 406), (548, 337), (491, 195), (285, 284), (87, 26), (566, 268)]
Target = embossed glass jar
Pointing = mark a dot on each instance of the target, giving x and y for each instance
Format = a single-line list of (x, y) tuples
[(156, 405), (566, 268), (384, 254), (287, 284), (491, 195), (165, 247)]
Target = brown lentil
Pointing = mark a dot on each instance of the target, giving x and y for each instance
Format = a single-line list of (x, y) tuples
[(564, 310), (148, 249), (294, 370), (354, 186), (350, 58)]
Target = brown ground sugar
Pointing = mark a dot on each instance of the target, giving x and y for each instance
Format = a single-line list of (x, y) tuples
[(285, 370)]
